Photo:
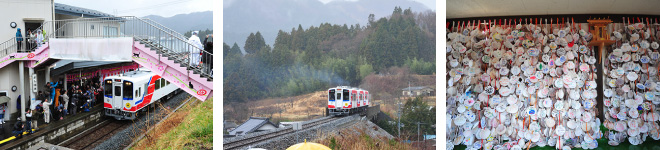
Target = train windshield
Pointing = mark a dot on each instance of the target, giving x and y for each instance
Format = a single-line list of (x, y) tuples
[(108, 88), (346, 95), (128, 89), (331, 95)]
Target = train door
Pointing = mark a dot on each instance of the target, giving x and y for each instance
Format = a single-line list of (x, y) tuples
[(353, 99), (117, 99), (361, 99), (346, 100), (366, 98)]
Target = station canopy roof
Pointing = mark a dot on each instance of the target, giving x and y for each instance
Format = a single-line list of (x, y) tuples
[(64, 66)]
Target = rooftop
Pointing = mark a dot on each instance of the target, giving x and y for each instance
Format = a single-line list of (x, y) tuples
[(415, 88), (251, 125), (78, 11)]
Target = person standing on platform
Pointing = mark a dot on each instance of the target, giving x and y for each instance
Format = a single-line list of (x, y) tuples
[(2, 113), (47, 104), (38, 110), (65, 98), (30, 40), (40, 38), (19, 39), (52, 86), (28, 121), (207, 59), (90, 94), (57, 96), (194, 52), (74, 103)]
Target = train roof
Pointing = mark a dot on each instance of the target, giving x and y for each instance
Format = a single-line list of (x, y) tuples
[(348, 88), (141, 73)]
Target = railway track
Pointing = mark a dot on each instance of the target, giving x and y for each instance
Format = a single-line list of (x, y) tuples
[(257, 139), (96, 135)]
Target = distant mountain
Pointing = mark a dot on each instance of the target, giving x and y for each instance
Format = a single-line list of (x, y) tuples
[(243, 17), (186, 22)]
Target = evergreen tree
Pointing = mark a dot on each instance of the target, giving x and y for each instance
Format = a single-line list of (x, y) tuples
[(225, 50), (236, 50), (418, 111), (254, 43)]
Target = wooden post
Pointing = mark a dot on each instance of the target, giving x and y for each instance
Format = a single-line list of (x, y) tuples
[(601, 39)]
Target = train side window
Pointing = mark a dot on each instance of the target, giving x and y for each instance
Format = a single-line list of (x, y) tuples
[(136, 93), (162, 82), (157, 84)]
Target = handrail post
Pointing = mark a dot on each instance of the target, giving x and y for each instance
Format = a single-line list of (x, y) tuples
[(162, 48)]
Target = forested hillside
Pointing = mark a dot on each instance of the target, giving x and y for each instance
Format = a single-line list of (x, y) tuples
[(316, 58)]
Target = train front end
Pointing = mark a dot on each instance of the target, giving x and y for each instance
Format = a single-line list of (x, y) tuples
[(338, 101), (118, 97)]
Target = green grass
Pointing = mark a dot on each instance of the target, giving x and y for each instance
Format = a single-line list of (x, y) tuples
[(649, 144), (191, 127)]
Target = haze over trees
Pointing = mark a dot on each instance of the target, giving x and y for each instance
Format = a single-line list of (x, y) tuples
[(304, 60), (243, 17)]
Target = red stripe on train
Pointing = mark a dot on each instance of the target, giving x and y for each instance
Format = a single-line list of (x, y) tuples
[(148, 96)]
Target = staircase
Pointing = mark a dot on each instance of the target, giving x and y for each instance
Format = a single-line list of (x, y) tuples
[(156, 47)]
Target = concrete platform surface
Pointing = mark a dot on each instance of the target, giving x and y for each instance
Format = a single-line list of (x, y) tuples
[(7, 138)]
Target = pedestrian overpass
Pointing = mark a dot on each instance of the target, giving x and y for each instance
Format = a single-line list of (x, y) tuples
[(148, 43)]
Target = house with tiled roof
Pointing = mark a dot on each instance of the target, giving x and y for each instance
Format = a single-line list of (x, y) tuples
[(254, 124)]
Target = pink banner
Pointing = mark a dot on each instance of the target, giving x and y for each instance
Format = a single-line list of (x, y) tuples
[(103, 72)]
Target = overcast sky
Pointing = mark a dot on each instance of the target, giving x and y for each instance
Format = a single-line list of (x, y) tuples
[(141, 8), (428, 3)]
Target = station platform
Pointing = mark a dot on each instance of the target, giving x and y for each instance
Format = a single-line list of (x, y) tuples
[(10, 141)]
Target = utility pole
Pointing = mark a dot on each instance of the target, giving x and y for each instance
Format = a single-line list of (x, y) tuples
[(398, 124)]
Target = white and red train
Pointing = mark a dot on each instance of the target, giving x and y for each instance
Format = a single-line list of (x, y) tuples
[(128, 93), (344, 100)]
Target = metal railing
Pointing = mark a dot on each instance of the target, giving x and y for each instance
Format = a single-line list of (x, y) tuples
[(166, 41), (8, 47)]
